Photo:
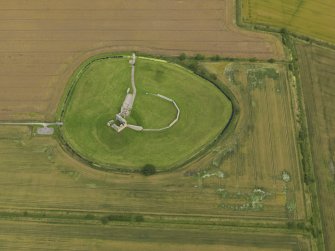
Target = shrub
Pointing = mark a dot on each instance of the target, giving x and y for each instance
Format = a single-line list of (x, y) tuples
[(215, 58), (290, 225), (199, 57), (122, 217), (194, 66), (148, 170), (213, 76), (182, 57), (253, 59)]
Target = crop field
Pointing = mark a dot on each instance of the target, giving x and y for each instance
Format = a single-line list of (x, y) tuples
[(317, 76), (262, 147), (99, 92), (311, 18), (42, 42), (80, 237), (48, 197)]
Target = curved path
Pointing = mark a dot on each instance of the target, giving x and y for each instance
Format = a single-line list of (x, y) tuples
[(173, 122), (129, 102)]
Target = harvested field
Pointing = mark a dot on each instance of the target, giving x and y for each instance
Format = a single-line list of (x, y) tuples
[(317, 76), (262, 147), (311, 18), (42, 42), (41, 236), (46, 185)]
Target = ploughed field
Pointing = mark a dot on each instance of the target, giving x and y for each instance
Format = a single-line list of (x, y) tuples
[(99, 88), (42, 42)]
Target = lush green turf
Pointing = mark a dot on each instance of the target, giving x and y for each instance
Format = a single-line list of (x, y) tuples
[(99, 93)]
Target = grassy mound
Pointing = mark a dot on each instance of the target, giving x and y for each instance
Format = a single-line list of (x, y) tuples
[(99, 90)]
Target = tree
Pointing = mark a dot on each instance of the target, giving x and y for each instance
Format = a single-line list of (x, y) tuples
[(148, 170), (199, 57), (252, 59), (215, 58), (182, 57), (213, 76)]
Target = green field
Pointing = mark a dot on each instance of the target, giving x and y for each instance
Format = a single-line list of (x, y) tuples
[(312, 18), (100, 88)]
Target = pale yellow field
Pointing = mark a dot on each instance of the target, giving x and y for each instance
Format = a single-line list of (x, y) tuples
[(314, 18)]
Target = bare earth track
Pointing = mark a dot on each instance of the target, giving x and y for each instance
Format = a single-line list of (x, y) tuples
[(42, 42)]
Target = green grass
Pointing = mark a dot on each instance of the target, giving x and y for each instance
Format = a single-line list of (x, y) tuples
[(99, 93)]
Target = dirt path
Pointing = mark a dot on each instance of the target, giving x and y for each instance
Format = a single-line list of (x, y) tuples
[(45, 124)]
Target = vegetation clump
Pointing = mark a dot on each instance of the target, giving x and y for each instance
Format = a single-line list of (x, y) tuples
[(148, 170), (122, 217)]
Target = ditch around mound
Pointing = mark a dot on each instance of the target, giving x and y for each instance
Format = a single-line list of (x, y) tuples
[(96, 92)]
